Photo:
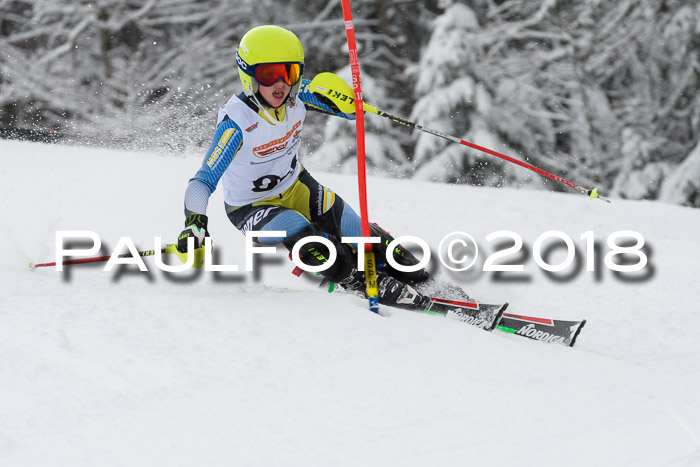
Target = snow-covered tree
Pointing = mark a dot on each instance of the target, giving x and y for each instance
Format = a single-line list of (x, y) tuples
[(454, 100), (602, 92), (389, 37)]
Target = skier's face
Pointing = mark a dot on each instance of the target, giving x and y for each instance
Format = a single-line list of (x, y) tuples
[(276, 94)]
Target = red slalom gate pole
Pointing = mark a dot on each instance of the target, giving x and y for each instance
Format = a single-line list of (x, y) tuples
[(370, 264)]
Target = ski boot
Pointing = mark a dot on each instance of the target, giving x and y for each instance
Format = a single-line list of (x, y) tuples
[(390, 291)]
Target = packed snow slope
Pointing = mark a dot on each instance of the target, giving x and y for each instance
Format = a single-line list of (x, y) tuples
[(264, 369)]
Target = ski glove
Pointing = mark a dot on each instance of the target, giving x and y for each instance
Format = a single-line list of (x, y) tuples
[(327, 102), (196, 227)]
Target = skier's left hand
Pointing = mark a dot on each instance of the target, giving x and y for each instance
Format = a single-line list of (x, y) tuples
[(195, 227)]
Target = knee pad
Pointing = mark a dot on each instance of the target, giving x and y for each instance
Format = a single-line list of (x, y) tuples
[(401, 255), (315, 253)]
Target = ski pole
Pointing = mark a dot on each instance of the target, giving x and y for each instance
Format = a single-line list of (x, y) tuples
[(334, 88), (171, 248), (592, 194)]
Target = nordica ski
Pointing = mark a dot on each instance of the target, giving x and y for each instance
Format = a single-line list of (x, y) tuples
[(487, 316), (541, 329), (477, 314)]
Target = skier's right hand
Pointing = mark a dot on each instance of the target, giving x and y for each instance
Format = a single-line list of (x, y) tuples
[(195, 227)]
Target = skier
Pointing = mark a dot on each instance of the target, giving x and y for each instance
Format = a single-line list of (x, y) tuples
[(255, 155)]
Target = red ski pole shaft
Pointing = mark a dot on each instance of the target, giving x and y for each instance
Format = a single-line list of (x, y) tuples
[(537, 170), (97, 259)]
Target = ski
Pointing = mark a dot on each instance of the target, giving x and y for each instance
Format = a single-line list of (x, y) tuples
[(482, 315), (490, 316), (541, 329)]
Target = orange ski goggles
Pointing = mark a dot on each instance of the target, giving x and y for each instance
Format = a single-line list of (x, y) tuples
[(267, 74)]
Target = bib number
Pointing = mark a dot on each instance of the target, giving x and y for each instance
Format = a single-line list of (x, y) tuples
[(266, 183), (269, 182)]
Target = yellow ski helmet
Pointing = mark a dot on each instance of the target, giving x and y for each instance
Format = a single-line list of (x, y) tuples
[(264, 45)]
